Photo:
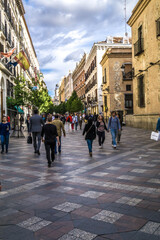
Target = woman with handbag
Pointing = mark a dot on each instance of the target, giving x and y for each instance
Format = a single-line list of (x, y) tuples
[(90, 131), (101, 127)]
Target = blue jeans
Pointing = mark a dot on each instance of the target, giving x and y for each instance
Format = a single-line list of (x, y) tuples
[(114, 133), (59, 147), (89, 142), (4, 141), (76, 125)]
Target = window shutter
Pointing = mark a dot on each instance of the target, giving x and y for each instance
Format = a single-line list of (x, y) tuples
[(158, 27)]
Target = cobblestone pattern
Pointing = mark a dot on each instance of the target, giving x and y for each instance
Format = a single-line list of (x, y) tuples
[(114, 195)]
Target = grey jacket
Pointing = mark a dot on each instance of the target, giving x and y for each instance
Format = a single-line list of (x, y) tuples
[(36, 123)]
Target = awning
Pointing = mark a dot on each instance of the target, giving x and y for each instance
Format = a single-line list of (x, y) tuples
[(20, 110)]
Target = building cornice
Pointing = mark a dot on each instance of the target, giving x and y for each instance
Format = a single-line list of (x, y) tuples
[(20, 7), (79, 67), (137, 11)]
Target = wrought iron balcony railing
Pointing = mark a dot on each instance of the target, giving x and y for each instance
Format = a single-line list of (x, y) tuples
[(139, 47)]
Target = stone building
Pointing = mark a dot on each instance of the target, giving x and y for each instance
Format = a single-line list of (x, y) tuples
[(79, 79), (93, 72), (68, 86), (14, 33), (62, 90), (117, 80), (145, 24)]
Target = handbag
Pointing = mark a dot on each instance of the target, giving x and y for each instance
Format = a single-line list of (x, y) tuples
[(155, 136), (29, 140)]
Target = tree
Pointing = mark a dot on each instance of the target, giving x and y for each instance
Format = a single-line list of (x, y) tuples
[(20, 93), (74, 104)]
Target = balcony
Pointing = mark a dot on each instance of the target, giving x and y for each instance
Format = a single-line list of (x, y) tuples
[(2, 3), (139, 47), (2, 28), (127, 76)]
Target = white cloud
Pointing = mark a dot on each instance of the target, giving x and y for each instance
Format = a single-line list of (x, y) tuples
[(63, 29)]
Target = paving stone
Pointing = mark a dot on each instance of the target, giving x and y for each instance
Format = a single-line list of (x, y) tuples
[(67, 207), (107, 216), (92, 194)]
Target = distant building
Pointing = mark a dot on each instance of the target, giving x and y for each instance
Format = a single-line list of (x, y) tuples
[(62, 90), (145, 24), (93, 72), (56, 96), (117, 81), (79, 79), (68, 86)]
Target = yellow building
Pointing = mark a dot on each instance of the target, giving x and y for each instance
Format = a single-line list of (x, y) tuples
[(62, 90), (117, 81), (145, 24)]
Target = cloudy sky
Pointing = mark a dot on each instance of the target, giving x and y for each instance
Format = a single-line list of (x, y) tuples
[(62, 30)]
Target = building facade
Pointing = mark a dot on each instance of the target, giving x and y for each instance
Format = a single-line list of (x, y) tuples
[(117, 81), (14, 34), (93, 72), (145, 24), (68, 86), (79, 79), (62, 90)]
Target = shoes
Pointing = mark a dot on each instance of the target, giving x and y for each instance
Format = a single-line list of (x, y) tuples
[(59, 152), (49, 165), (38, 152), (53, 159), (6, 151), (114, 147), (2, 152), (100, 147), (90, 153), (35, 151)]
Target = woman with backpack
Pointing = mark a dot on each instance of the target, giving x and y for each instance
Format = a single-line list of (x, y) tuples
[(101, 127), (90, 131), (115, 126)]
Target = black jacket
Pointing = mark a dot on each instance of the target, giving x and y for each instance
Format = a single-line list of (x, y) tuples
[(98, 124), (91, 132)]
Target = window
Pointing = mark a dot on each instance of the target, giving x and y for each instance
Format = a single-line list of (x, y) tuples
[(129, 103), (141, 92), (1, 47), (139, 45), (158, 27), (105, 102), (128, 87), (105, 76)]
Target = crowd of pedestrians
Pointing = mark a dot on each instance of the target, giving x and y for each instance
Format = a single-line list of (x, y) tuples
[(49, 129)]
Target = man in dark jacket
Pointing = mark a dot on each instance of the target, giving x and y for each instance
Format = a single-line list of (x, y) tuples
[(36, 124), (51, 135)]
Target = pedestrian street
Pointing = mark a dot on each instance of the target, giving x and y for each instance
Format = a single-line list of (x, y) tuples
[(114, 195)]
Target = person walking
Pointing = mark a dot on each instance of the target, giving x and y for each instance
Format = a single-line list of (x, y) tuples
[(76, 121), (36, 123), (80, 121), (28, 122), (114, 125), (73, 121), (4, 132), (60, 127), (101, 127), (69, 120), (120, 131), (50, 132), (90, 131)]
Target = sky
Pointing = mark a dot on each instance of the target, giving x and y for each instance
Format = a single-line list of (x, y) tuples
[(62, 30)]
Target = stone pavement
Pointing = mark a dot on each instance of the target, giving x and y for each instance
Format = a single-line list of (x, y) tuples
[(114, 195)]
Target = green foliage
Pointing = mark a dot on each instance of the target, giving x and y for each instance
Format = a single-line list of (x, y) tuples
[(26, 95), (74, 104)]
